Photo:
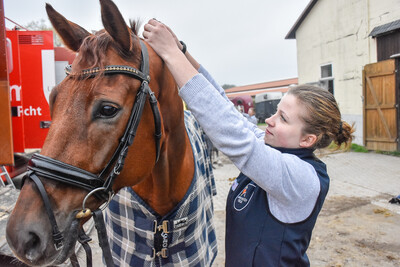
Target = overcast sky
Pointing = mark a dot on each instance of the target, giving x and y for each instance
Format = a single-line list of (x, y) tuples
[(239, 42)]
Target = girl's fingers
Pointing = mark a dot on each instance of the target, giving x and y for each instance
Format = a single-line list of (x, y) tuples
[(145, 34), (149, 28), (153, 22)]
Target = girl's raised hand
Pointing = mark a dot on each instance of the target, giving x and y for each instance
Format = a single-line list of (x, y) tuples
[(161, 38)]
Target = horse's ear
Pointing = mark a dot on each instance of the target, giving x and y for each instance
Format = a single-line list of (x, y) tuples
[(71, 33), (115, 25)]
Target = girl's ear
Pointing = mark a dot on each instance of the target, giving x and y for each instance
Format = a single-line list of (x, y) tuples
[(308, 140)]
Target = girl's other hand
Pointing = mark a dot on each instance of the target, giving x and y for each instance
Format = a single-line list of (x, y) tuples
[(161, 38)]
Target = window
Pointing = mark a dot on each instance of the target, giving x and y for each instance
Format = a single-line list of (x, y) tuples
[(388, 45), (326, 80), (326, 71), (387, 37)]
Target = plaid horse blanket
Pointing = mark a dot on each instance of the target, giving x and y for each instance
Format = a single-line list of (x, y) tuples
[(138, 236)]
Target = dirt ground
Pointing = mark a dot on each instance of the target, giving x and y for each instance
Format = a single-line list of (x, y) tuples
[(352, 232), (349, 232)]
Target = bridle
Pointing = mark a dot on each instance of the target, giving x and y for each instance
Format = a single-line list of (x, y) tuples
[(98, 185)]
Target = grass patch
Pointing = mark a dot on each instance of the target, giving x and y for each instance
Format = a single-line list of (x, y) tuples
[(353, 147), (335, 147), (390, 153), (362, 149), (358, 148)]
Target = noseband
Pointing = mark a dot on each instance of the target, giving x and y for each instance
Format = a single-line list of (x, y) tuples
[(100, 185)]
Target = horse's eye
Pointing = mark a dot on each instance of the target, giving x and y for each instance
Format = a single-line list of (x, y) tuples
[(108, 111)]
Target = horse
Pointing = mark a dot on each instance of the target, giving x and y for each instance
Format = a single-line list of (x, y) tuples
[(99, 111)]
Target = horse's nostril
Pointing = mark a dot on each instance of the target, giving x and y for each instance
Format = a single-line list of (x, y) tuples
[(32, 252)]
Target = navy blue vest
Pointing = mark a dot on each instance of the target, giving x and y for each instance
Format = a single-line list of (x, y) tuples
[(254, 237)]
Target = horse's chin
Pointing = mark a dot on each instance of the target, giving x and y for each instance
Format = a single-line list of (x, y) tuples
[(56, 257), (53, 256), (70, 237)]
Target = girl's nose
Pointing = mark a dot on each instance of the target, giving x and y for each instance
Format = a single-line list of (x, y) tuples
[(269, 121)]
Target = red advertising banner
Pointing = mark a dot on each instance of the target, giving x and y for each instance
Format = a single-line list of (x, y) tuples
[(31, 81)]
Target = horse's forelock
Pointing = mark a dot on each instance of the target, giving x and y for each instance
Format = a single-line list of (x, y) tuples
[(93, 51)]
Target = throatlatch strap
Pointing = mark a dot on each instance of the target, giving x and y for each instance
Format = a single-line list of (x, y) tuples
[(84, 239), (88, 251), (74, 260), (102, 235)]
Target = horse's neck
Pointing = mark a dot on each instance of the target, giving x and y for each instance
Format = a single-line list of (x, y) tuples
[(172, 175)]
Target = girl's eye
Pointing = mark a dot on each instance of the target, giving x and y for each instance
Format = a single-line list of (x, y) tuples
[(283, 118), (107, 111)]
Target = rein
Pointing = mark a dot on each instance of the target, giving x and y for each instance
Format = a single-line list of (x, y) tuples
[(98, 185)]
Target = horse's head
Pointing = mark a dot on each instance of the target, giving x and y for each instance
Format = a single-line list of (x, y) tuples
[(89, 117)]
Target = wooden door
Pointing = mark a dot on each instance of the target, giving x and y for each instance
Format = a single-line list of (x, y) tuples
[(6, 143), (380, 106)]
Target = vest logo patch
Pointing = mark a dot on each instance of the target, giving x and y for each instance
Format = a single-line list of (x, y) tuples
[(180, 223), (243, 199)]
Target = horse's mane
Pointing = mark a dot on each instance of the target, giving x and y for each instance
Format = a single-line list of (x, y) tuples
[(135, 25)]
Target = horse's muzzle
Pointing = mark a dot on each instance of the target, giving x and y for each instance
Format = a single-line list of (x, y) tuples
[(28, 232)]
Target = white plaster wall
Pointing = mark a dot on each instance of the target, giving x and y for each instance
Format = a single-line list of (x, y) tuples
[(336, 32)]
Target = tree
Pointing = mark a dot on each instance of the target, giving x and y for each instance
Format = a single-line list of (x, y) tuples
[(40, 25), (227, 86)]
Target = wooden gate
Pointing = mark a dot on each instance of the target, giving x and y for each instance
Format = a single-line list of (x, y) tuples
[(381, 102)]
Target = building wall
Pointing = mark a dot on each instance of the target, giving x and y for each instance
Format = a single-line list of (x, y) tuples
[(336, 32)]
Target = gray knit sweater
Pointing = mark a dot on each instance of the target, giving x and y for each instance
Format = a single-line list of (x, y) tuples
[(292, 184)]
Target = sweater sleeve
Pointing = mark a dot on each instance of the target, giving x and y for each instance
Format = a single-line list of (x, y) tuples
[(291, 183), (257, 131), (209, 78)]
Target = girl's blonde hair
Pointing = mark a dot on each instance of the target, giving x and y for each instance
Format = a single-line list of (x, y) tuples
[(323, 116)]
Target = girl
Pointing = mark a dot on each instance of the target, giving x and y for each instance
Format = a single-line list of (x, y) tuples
[(273, 205)]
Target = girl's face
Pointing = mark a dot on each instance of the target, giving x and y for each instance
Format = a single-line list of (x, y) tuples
[(285, 126)]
